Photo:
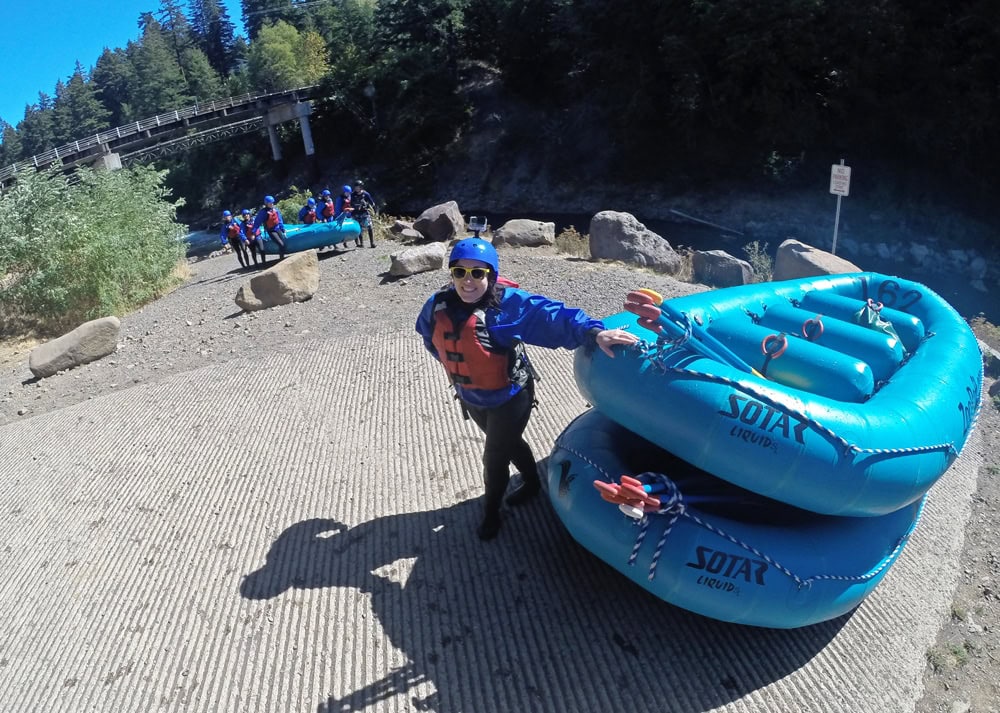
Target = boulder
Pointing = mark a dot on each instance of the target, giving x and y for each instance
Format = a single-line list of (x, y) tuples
[(419, 258), (441, 222), (399, 226), (524, 232), (796, 259), (294, 279), (620, 236), (88, 342), (410, 234), (720, 269)]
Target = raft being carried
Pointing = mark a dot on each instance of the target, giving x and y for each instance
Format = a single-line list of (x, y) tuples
[(317, 235), (844, 394)]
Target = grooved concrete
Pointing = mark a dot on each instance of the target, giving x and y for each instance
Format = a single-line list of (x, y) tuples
[(297, 534)]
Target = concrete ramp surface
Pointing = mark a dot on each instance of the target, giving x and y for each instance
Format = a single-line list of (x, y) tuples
[(297, 533)]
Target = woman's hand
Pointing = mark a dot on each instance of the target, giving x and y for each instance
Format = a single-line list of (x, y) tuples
[(610, 337)]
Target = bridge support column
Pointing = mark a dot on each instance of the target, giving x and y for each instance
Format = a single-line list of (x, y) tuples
[(109, 161), (307, 135), (275, 144), (287, 112)]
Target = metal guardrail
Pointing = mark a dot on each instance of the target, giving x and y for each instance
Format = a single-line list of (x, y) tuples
[(170, 117)]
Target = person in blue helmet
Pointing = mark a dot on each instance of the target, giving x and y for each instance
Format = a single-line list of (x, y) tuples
[(364, 206), (268, 222), (327, 211), (307, 213), (255, 245), (477, 326), (232, 234)]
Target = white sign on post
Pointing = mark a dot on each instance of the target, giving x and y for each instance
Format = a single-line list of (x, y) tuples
[(840, 180), (840, 186)]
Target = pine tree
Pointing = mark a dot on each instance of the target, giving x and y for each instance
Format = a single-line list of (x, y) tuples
[(77, 112), (10, 150), (202, 80), (258, 13), (35, 129), (115, 79), (215, 33), (160, 84), (175, 28)]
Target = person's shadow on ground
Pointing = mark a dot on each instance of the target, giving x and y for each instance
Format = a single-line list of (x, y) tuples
[(519, 620)]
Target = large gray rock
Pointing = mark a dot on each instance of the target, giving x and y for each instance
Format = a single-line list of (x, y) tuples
[(294, 279), (720, 269), (88, 342), (796, 259), (524, 232), (620, 236), (399, 226), (441, 222), (419, 258)]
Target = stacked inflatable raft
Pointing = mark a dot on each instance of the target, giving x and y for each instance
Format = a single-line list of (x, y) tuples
[(762, 456)]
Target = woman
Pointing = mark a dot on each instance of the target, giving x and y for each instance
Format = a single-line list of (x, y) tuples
[(476, 327)]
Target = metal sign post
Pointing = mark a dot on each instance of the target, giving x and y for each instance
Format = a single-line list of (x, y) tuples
[(840, 186)]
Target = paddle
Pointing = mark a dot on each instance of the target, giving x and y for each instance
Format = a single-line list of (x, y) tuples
[(656, 314)]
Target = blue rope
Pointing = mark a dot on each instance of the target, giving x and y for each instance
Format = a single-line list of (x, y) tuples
[(675, 508)]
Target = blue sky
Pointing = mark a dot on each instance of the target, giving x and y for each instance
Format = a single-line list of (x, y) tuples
[(45, 39)]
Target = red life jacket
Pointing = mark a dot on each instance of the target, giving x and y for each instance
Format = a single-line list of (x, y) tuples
[(467, 353), (328, 210), (310, 217), (271, 221), (233, 230)]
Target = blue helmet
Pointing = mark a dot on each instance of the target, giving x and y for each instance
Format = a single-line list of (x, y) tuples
[(269, 199), (347, 189), (245, 211), (226, 214), (475, 249), (325, 193), (311, 201)]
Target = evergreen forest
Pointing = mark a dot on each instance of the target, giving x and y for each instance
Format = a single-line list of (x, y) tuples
[(721, 89)]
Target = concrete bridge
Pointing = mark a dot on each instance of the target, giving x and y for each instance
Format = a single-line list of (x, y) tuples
[(182, 129)]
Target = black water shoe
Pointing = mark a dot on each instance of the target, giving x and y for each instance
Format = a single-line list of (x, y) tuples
[(524, 492), (489, 527)]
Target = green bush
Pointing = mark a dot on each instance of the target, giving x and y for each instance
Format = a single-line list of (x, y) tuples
[(573, 242), (292, 204), (759, 260), (105, 244)]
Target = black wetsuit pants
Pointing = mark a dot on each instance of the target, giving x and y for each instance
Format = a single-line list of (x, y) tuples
[(504, 428), (278, 236), (240, 248)]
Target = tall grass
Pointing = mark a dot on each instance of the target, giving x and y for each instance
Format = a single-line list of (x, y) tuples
[(104, 245), (760, 261)]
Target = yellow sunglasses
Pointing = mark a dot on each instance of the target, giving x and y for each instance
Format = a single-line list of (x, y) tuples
[(478, 273)]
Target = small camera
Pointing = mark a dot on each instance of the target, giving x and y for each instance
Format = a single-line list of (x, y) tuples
[(477, 224)]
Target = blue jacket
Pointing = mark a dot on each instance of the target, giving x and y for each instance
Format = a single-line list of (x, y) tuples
[(224, 231), (520, 317), (258, 220), (340, 202), (304, 211)]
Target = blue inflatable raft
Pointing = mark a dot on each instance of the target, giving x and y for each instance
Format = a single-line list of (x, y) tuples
[(317, 235), (711, 547), (844, 395)]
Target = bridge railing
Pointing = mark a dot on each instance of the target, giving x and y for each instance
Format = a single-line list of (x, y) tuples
[(132, 128)]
